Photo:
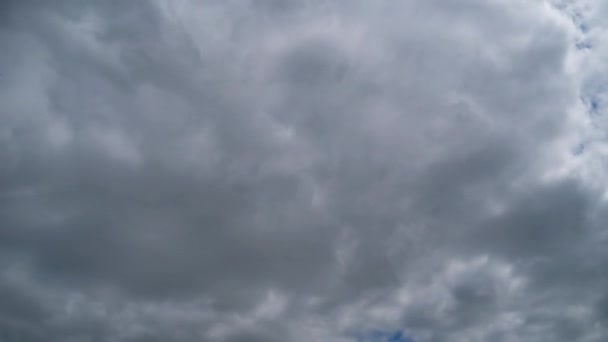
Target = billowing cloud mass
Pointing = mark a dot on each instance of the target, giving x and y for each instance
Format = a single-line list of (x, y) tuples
[(315, 170)]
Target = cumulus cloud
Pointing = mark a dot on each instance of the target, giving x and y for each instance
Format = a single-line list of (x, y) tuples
[(319, 170)]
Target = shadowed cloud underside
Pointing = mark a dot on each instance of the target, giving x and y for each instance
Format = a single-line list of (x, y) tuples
[(261, 170)]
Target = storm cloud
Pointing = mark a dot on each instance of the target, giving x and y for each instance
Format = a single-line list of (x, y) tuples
[(316, 170)]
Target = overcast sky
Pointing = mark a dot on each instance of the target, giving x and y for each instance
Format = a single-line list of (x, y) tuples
[(313, 170)]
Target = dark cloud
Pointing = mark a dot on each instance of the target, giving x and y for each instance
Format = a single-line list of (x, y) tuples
[(276, 170)]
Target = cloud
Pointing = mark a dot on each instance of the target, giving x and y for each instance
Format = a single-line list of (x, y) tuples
[(274, 170)]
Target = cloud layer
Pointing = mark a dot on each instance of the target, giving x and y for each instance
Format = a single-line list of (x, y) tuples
[(303, 171)]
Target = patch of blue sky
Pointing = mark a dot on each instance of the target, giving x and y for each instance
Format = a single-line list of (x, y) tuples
[(384, 336)]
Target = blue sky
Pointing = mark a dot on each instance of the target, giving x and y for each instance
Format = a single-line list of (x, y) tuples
[(384, 336)]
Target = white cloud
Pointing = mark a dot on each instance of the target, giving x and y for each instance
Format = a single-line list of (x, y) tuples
[(272, 170)]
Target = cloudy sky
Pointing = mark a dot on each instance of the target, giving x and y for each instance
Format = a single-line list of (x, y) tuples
[(313, 170)]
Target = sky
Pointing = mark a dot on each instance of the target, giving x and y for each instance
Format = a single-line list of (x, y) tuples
[(313, 170)]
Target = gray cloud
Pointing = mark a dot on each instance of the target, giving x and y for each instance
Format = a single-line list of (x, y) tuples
[(275, 170)]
